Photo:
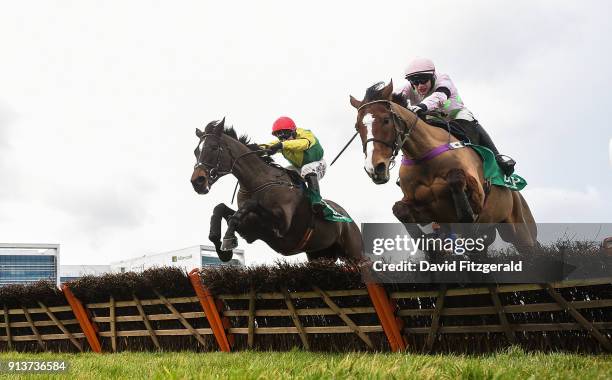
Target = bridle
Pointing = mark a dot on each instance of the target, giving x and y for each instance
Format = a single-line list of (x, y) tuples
[(214, 171), (402, 131)]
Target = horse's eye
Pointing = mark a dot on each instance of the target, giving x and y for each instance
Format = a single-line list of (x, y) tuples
[(386, 120)]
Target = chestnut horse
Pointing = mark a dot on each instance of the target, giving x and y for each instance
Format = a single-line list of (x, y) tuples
[(444, 182), (271, 205)]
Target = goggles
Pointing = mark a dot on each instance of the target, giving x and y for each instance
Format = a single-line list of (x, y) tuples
[(417, 80), (283, 134)]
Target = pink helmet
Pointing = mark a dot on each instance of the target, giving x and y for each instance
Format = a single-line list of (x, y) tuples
[(420, 66)]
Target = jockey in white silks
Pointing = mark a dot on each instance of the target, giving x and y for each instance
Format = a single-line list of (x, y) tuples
[(428, 90)]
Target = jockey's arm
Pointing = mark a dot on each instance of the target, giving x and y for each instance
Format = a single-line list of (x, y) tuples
[(296, 144), (304, 140), (440, 95), (266, 146), (436, 100)]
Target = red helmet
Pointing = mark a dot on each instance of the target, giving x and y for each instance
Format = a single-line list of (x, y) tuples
[(283, 123)]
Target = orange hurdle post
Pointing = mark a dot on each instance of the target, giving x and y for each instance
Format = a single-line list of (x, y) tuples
[(210, 309), (81, 315), (389, 323)]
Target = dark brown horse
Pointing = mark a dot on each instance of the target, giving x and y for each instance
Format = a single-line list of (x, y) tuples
[(449, 187), (271, 205)]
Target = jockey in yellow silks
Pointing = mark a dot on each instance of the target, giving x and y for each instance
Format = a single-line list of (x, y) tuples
[(301, 148)]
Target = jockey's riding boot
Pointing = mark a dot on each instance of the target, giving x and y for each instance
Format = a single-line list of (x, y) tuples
[(506, 164), (313, 184)]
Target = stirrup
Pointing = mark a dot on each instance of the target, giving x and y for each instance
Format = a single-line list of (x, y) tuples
[(506, 164), (317, 208)]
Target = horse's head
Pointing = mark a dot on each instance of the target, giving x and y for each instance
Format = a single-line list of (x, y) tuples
[(213, 159), (379, 128)]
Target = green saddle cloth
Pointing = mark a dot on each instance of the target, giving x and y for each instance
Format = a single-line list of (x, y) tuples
[(329, 213), (493, 173)]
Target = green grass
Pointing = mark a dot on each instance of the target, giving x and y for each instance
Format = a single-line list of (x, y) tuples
[(512, 364)]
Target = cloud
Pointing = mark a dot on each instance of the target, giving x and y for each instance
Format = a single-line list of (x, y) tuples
[(101, 152), (560, 205), (116, 204), (8, 172)]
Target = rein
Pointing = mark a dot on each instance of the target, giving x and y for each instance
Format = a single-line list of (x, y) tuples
[(402, 137), (265, 186)]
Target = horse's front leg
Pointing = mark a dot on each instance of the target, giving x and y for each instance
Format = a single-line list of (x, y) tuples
[(230, 241), (401, 210), (220, 211)]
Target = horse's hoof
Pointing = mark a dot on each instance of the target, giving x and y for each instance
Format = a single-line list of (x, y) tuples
[(229, 244), (225, 256)]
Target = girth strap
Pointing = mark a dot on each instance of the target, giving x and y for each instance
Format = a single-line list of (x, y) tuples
[(305, 238)]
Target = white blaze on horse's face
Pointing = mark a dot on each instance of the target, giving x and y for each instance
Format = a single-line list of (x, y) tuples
[(201, 146), (368, 121)]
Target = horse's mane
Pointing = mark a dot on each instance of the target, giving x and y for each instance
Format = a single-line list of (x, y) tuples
[(246, 141), (374, 92)]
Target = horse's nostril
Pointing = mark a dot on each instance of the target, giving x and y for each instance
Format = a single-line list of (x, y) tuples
[(200, 180), (380, 168)]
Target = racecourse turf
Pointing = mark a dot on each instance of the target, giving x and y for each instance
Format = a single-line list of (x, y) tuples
[(511, 364)]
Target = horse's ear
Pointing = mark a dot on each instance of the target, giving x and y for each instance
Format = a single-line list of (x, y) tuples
[(199, 133), (219, 127), (387, 91), (355, 103)]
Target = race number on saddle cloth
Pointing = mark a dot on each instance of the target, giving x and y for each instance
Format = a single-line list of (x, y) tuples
[(304, 151), (493, 173)]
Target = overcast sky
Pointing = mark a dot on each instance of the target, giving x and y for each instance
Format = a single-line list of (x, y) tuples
[(99, 101)]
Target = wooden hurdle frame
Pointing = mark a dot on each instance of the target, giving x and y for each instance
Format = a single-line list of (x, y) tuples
[(388, 308)]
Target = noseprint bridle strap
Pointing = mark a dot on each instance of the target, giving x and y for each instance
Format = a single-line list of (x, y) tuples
[(402, 131)]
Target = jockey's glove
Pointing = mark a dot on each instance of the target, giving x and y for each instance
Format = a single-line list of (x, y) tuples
[(419, 109), (275, 148)]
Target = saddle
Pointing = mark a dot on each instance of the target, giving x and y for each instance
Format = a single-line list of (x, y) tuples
[(296, 178), (328, 212), (436, 121)]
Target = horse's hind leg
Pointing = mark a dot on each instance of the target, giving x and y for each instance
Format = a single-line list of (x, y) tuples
[(457, 182), (214, 235), (351, 241), (520, 228)]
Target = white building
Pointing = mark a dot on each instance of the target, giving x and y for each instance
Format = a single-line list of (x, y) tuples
[(27, 263), (73, 272), (188, 258)]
